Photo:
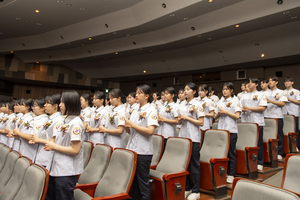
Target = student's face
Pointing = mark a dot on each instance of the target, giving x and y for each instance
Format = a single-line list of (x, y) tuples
[(114, 101), (189, 93), (50, 109), (226, 92), (288, 84), (23, 108), (62, 107), (154, 96), (162, 95), (181, 96), (202, 93), (37, 110), (251, 86), (264, 85), (272, 83), (168, 96), (243, 87), (16, 108), (83, 102), (131, 100), (6, 108), (141, 97), (97, 102), (247, 88)]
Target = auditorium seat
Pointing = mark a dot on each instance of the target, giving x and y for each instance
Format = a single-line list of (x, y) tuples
[(13, 185), (271, 142), (96, 167), (252, 190), (117, 179), (290, 135), (126, 139), (291, 173), (213, 161), (35, 184), (215, 125), (168, 179), (158, 147), (155, 131), (7, 170), (177, 132), (87, 152), (4, 151), (247, 149)]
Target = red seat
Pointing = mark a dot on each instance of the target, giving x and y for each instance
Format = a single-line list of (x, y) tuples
[(290, 135), (271, 142)]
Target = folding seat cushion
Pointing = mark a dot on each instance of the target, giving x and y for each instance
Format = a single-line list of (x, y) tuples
[(171, 169), (253, 190), (290, 135), (8, 168), (96, 167), (34, 185), (158, 147), (247, 149), (213, 161), (117, 179), (291, 174), (13, 185), (87, 151), (4, 150), (271, 142)]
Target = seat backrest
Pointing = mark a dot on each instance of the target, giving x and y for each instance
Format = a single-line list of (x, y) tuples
[(97, 164), (87, 151), (126, 138), (4, 150), (158, 146), (13, 185), (250, 190), (291, 174), (34, 185), (270, 129), (1, 145), (247, 135), (155, 131), (215, 145), (119, 174), (177, 132), (289, 124), (176, 156), (215, 125), (7, 170)]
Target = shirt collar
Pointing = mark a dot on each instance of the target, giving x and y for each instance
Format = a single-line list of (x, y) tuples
[(87, 108), (40, 116), (144, 107), (203, 99), (26, 115), (98, 109), (191, 102), (171, 104), (69, 118), (116, 109), (228, 99), (54, 115)]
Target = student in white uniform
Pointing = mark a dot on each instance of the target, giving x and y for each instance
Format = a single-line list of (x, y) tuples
[(181, 96), (276, 100), (292, 106), (86, 110), (108, 106), (212, 95), (132, 104), (228, 111), (25, 119), (32, 127), (208, 106), (191, 118), (49, 131), (97, 119), (168, 117), (1, 111), (67, 161), (142, 124), (156, 101), (3, 138), (114, 129), (253, 105), (243, 88), (5, 124)]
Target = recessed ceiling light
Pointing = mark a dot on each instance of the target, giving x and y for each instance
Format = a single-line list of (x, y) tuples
[(116, 53), (38, 24), (68, 4), (81, 9), (144, 71), (262, 55), (37, 62), (210, 1), (37, 11), (18, 18), (59, 1), (237, 26), (11, 51), (90, 38), (114, 33), (172, 15)]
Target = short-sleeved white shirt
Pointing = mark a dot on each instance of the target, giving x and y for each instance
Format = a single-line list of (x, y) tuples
[(26, 149), (98, 119), (188, 129), (131, 108), (115, 118), (140, 143), (225, 121), (6, 123), (208, 105), (50, 129), (290, 107), (254, 99), (274, 111), (239, 95), (214, 98), (171, 111), (157, 104), (85, 114), (63, 164)]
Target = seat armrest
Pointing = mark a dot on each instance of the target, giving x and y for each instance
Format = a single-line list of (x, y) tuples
[(292, 133), (175, 175), (120, 196), (86, 186), (251, 148), (153, 167), (215, 160), (273, 140)]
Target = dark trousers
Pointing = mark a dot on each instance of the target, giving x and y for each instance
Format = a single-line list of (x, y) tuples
[(280, 136), (61, 188), (165, 143), (141, 181), (297, 131), (194, 169), (261, 146), (232, 154)]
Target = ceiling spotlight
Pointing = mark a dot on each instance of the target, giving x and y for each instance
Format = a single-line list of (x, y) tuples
[(81, 8), (38, 24), (116, 53), (256, 44), (164, 5), (106, 25), (279, 2), (90, 38), (262, 55), (37, 11), (11, 51), (144, 71), (210, 1), (237, 26), (37, 62)]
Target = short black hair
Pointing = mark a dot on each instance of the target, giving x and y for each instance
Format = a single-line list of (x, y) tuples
[(244, 83), (27, 103), (53, 99), (146, 90), (274, 78), (40, 102), (100, 95), (171, 90), (132, 94), (87, 97), (193, 86), (116, 93), (11, 105), (230, 86), (289, 79), (253, 80), (204, 87), (71, 100), (264, 80)]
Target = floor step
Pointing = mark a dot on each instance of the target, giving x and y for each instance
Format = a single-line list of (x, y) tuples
[(268, 172)]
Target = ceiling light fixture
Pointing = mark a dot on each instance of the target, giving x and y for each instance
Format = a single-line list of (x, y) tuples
[(210, 1), (68, 4), (199, 35), (237, 26), (81, 9), (18, 18), (193, 28), (90, 38), (262, 55), (11, 51), (144, 71), (172, 15), (164, 5), (38, 24), (37, 11), (186, 18), (116, 53), (37, 62)]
